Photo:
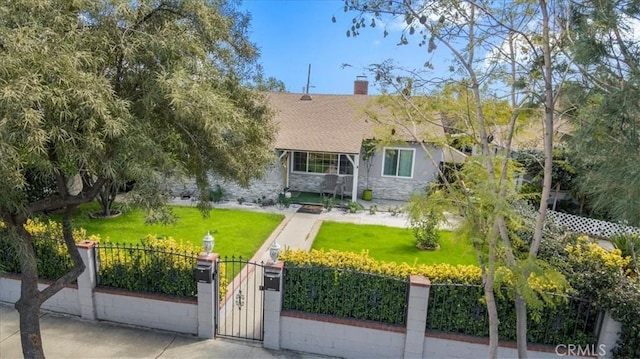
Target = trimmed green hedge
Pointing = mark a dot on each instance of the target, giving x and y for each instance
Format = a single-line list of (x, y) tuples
[(461, 309), (345, 294)]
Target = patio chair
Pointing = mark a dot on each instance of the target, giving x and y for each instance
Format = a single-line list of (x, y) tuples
[(330, 184), (347, 187)]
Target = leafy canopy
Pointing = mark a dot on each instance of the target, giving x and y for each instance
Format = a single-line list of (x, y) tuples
[(137, 91)]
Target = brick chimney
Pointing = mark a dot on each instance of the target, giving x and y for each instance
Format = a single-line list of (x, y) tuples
[(361, 86)]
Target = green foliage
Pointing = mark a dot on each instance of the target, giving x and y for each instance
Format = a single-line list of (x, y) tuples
[(106, 103), (328, 203), (373, 209), (604, 108), (354, 207), (283, 200), (461, 309), (345, 294), (629, 246), (53, 259), (216, 195), (603, 278), (157, 266), (424, 222)]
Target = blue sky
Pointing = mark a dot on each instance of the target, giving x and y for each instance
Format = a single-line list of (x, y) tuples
[(293, 34)]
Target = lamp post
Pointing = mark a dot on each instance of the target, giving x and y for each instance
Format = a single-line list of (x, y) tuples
[(208, 242), (274, 252)]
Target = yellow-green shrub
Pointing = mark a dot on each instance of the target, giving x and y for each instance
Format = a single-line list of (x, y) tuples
[(52, 256)]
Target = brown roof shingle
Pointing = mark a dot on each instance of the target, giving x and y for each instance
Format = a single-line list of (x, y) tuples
[(327, 123)]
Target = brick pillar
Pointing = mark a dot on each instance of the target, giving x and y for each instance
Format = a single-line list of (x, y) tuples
[(87, 280), (272, 304), (608, 336), (416, 316), (207, 295)]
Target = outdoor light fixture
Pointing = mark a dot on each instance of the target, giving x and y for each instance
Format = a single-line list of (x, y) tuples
[(274, 252), (207, 243)]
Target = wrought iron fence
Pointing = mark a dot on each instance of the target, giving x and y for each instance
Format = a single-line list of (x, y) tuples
[(459, 308), (346, 294), (146, 269)]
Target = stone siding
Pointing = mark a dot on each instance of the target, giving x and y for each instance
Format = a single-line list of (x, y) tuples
[(269, 186)]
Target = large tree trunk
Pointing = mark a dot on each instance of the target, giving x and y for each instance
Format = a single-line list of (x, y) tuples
[(107, 196), (31, 298), (28, 306)]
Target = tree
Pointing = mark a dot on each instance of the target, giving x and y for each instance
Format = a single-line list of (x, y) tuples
[(603, 103), (468, 30), (104, 91)]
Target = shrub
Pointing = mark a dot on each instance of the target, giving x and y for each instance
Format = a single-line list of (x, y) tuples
[(158, 266), (362, 262), (629, 246), (328, 203), (354, 207), (345, 294), (603, 277), (216, 194), (461, 309), (456, 296), (425, 228), (52, 256)]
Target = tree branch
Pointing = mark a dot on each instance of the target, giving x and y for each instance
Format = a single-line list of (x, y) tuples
[(78, 268)]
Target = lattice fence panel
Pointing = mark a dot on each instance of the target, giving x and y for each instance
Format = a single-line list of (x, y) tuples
[(590, 226)]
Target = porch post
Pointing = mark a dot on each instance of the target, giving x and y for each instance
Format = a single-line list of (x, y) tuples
[(355, 161), (284, 165), (356, 168)]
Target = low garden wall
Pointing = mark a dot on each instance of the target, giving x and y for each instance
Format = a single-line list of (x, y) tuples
[(346, 314), (331, 336), (191, 313), (65, 301)]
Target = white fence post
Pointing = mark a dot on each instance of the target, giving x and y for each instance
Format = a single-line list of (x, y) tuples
[(609, 332), (87, 280), (272, 304), (207, 292), (416, 316)]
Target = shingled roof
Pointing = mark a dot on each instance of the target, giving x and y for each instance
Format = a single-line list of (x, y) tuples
[(326, 123)]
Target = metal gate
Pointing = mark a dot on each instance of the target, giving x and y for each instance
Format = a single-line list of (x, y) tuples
[(241, 299)]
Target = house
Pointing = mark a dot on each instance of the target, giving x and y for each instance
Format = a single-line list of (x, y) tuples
[(324, 134)]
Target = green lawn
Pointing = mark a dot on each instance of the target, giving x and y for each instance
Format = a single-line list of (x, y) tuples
[(236, 232), (391, 244)]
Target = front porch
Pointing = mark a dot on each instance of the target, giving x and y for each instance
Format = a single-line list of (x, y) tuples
[(381, 205), (333, 174)]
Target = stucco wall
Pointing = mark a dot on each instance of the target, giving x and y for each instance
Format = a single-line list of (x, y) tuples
[(65, 301), (339, 340), (147, 312), (398, 188), (455, 349)]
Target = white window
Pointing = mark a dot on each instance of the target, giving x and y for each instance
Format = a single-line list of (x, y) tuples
[(398, 162), (321, 162)]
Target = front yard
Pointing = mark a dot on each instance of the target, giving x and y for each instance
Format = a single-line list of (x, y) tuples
[(236, 232), (391, 244)]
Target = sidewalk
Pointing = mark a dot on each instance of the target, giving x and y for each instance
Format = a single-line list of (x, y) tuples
[(70, 337)]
